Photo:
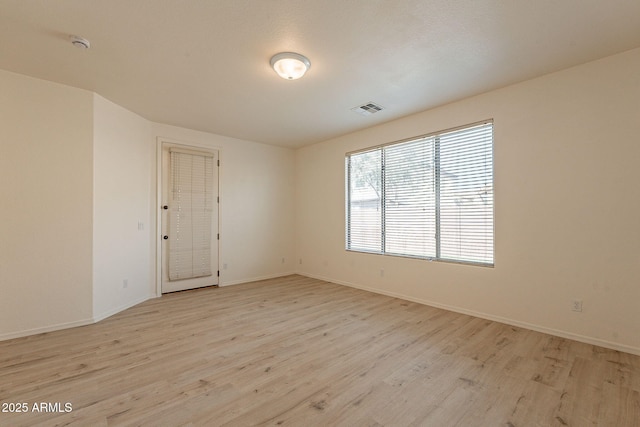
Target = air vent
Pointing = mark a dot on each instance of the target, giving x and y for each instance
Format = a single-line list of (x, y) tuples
[(368, 109)]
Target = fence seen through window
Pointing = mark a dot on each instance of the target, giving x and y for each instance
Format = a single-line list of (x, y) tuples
[(430, 197)]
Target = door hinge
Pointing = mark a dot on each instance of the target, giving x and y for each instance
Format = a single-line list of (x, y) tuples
[(218, 199), (218, 273), (218, 236), (218, 162)]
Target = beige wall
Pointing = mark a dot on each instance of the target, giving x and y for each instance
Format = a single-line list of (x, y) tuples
[(123, 185), (256, 204), (78, 174), (46, 214), (567, 207), (567, 203)]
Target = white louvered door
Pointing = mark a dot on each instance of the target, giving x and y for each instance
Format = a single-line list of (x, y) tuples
[(189, 219)]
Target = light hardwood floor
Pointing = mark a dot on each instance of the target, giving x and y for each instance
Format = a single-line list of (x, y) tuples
[(296, 351)]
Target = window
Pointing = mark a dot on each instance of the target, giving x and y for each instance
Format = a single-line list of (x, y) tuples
[(430, 197)]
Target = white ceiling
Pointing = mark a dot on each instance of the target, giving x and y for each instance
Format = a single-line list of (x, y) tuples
[(204, 64)]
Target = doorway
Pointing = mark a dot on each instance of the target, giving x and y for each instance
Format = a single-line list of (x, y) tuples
[(189, 218)]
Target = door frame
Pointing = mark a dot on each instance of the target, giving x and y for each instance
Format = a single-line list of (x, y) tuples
[(161, 142)]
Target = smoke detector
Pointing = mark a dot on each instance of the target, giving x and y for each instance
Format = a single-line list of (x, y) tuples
[(79, 42)]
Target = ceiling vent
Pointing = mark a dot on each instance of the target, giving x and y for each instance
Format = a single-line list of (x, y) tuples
[(368, 109)]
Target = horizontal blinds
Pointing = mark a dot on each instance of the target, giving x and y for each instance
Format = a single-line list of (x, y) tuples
[(466, 194), (364, 222), (431, 197), (190, 215), (409, 203)]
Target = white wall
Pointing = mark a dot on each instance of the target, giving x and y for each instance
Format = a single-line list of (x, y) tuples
[(567, 206), (123, 160), (46, 214), (78, 174), (256, 204)]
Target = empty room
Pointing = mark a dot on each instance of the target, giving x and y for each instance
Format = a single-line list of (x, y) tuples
[(332, 213)]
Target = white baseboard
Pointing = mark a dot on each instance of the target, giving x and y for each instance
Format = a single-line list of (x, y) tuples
[(255, 279), (526, 325), (49, 328), (101, 316), (512, 322), (109, 313), (67, 325)]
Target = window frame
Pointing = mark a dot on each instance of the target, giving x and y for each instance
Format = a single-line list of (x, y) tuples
[(438, 188)]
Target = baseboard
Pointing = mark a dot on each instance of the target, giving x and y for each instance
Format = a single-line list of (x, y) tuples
[(255, 279), (102, 316), (507, 321), (50, 328), (67, 325)]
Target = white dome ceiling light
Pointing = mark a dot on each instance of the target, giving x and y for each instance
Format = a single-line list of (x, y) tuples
[(290, 65)]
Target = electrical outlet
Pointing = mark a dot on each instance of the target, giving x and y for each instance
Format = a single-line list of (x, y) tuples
[(576, 305), (125, 283), (381, 272), (300, 261), (283, 260), (225, 266)]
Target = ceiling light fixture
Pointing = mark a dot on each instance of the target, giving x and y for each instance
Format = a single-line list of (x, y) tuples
[(290, 65), (79, 42)]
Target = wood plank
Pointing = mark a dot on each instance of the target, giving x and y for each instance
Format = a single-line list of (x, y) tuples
[(300, 351)]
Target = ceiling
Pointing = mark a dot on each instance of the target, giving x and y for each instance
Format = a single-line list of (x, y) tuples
[(204, 64)]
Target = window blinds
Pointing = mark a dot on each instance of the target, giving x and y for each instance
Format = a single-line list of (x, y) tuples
[(364, 231), (190, 215), (430, 197), (466, 194)]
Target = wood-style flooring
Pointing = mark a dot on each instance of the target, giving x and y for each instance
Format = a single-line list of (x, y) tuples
[(296, 351)]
